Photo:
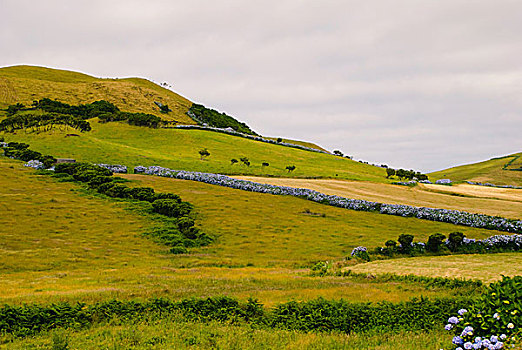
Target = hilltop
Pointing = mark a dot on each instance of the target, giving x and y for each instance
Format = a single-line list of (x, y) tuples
[(506, 170), (25, 84)]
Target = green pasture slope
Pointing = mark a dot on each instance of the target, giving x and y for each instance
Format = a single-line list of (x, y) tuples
[(119, 143), (499, 171), (63, 243)]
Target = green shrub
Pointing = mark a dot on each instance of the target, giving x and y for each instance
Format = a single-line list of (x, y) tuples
[(171, 207), (435, 242), (406, 242), (178, 250), (498, 312), (142, 194), (455, 240)]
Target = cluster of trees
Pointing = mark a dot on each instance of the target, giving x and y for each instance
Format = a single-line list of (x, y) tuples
[(56, 112), (179, 234), (21, 151), (405, 174), (215, 119), (43, 122), (435, 244), (246, 162)]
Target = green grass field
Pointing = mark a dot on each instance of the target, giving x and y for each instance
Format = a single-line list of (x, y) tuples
[(60, 243), (118, 143), (174, 333), (486, 171)]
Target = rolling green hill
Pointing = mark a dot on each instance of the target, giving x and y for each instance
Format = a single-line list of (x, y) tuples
[(499, 171), (119, 143)]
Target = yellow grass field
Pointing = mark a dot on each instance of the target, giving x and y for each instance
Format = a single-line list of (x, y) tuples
[(25, 84), (475, 199), (486, 267)]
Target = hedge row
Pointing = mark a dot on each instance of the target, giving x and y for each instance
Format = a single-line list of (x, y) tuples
[(316, 315), (21, 151), (181, 232), (434, 214)]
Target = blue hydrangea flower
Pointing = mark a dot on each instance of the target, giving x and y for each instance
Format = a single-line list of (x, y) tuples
[(462, 312), (468, 345), (457, 340), (453, 320), (448, 327)]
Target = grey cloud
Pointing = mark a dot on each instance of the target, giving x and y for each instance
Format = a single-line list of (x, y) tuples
[(418, 84)]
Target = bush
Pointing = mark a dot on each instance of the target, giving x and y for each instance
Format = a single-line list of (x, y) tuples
[(455, 241), (434, 242), (406, 242), (171, 207), (179, 249), (496, 317), (142, 194)]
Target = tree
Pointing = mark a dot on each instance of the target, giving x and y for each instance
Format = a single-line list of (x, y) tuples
[(279, 140), (245, 161), (290, 168), (455, 240), (338, 153), (204, 153), (390, 172), (164, 109), (434, 242), (265, 164), (233, 161), (405, 241)]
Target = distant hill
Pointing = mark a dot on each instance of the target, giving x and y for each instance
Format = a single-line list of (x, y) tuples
[(24, 84), (500, 171)]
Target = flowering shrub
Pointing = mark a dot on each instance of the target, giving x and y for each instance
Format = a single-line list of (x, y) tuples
[(443, 182), (492, 185), (3, 144), (456, 242), (116, 168), (361, 253), (494, 322), (36, 164), (443, 215)]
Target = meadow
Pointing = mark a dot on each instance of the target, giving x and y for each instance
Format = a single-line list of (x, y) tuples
[(52, 254), (493, 171), (475, 199), (118, 143), (61, 241)]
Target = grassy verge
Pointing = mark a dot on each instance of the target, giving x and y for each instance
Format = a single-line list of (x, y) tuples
[(176, 333)]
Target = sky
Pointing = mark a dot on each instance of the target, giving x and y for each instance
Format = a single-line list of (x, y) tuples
[(418, 84)]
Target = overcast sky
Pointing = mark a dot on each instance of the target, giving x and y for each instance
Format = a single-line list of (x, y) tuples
[(417, 84)]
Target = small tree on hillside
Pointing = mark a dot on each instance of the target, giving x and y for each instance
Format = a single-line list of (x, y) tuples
[(265, 164), (390, 172), (279, 140), (233, 161), (338, 153), (204, 153), (405, 241), (290, 168), (245, 161)]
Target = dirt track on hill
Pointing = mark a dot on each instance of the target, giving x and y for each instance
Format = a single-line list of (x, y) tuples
[(475, 199)]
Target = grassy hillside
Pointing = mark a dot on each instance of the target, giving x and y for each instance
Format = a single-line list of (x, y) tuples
[(119, 143), (25, 84), (60, 243), (487, 171), (475, 199)]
